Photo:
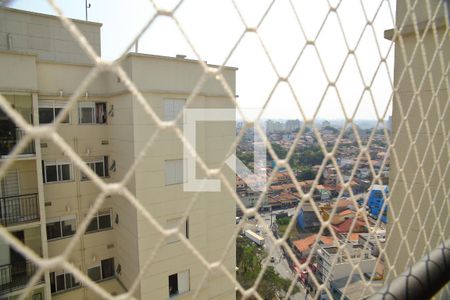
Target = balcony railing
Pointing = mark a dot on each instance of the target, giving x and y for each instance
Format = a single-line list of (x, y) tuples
[(19, 209), (16, 275), (8, 139)]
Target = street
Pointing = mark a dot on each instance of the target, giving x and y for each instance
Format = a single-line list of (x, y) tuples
[(280, 264)]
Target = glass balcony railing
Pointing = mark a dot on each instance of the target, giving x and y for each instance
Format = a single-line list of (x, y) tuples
[(19, 209)]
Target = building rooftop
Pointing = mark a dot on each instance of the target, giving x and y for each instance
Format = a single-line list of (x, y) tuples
[(51, 39), (378, 187), (355, 287), (27, 12), (331, 250), (345, 226), (306, 243)]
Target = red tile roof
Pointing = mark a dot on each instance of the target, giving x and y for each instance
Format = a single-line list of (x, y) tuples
[(360, 226), (346, 212), (306, 243)]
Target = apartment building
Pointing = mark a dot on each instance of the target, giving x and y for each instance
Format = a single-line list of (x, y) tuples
[(327, 255), (417, 220), (45, 197)]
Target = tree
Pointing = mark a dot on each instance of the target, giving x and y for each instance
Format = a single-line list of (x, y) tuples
[(280, 152), (306, 158), (283, 221), (332, 129), (248, 260), (246, 158), (307, 174), (272, 283)]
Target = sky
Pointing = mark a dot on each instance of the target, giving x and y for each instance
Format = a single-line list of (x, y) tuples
[(214, 27)]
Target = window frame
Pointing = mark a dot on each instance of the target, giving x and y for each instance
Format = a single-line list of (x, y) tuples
[(86, 104), (104, 160), (60, 221), (99, 264), (59, 171), (179, 290), (37, 296), (104, 212), (53, 105), (103, 270), (94, 106), (66, 275)]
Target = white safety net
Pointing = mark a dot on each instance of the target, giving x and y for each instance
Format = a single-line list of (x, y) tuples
[(370, 242)]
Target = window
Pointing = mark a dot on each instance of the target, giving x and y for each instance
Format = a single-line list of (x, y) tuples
[(179, 283), (99, 166), (184, 229), (37, 296), (175, 171), (95, 273), (48, 110), (57, 171), (60, 281), (61, 227), (108, 268), (92, 112), (102, 271), (172, 107), (101, 221)]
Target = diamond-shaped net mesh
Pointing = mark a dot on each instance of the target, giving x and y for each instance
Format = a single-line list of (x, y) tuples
[(344, 209)]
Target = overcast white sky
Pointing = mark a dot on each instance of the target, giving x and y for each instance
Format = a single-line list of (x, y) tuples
[(214, 27)]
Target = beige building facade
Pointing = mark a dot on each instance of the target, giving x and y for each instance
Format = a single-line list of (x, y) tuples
[(418, 217), (45, 196)]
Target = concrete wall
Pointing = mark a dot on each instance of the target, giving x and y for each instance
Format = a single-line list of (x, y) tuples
[(18, 72), (113, 286), (212, 214), (419, 202), (45, 36), (342, 270)]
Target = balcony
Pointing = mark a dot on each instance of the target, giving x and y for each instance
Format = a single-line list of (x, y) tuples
[(11, 136), (15, 210), (16, 275)]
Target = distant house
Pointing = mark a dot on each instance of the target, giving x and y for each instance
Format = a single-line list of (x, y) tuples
[(283, 199), (249, 198), (345, 226), (340, 217), (325, 195), (308, 220), (302, 248), (281, 177), (376, 200)]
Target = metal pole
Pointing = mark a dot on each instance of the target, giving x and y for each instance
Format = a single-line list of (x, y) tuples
[(86, 6)]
